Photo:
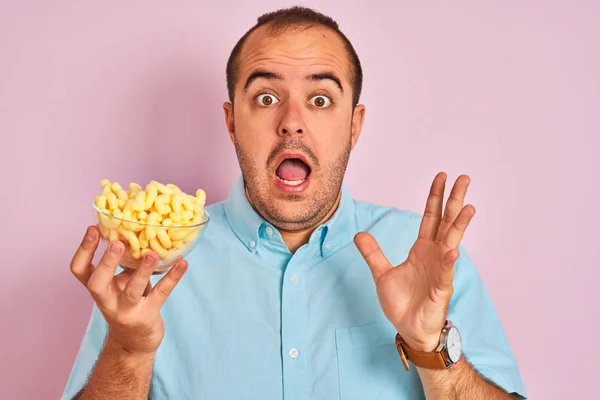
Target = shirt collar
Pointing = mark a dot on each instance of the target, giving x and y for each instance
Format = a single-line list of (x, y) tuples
[(246, 223)]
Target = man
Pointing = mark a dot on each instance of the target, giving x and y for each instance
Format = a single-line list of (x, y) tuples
[(297, 291)]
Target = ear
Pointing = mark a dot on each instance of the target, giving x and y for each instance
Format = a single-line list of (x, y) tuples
[(358, 118), (228, 110)]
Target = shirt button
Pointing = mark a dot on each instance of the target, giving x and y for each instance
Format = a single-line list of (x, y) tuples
[(293, 279), (269, 231), (327, 246), (252, 244), (294, 353)]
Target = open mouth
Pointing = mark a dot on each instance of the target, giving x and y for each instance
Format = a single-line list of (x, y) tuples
[(293, 171)]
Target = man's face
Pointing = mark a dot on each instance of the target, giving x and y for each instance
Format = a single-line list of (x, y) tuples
[(293, 124)]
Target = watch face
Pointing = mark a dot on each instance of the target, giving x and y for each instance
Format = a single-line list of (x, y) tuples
[(454, 345)]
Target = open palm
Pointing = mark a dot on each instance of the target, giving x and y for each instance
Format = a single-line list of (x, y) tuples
[(415, 295)]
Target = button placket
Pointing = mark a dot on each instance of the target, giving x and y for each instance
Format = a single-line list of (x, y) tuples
[(294, 324)]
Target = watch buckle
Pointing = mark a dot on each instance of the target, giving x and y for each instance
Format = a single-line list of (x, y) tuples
[(403, 358)]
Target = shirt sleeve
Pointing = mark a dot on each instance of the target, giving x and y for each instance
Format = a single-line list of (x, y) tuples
[(89, 350), (484, 342)]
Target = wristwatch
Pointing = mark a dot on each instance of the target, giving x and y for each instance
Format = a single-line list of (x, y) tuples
[(448, 352)]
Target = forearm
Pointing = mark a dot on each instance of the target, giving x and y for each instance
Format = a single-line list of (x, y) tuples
[(460, 381), (119, 374)]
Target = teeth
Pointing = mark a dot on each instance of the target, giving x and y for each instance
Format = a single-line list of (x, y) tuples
[(292, 183)]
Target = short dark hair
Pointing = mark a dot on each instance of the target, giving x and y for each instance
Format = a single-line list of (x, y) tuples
[(301, 17)]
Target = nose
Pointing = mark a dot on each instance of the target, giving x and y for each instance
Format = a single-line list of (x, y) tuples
[(291, 122), (285, 131)]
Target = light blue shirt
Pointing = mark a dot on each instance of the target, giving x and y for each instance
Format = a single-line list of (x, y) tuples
[(250, 320)]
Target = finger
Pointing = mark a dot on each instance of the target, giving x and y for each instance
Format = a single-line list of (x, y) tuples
[(457, 230), (446, 277), (134, 290), (120, 280), (99, 282), (373, 255), (433, 208), (165, 286), (148, 289), (454, 204), (81, 264)]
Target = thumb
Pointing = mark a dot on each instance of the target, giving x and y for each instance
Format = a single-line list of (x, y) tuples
[(372, 253)]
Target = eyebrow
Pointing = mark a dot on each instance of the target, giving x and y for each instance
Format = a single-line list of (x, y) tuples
[(327, 76), (261, 74)]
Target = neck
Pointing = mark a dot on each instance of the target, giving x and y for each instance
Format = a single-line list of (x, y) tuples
[(296, 239)]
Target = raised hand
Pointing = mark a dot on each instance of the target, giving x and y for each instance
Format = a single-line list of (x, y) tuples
[(415, 295)]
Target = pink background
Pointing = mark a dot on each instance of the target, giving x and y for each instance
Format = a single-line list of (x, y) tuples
[(508, 92)]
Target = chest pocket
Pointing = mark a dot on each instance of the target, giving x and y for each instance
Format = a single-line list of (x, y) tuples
[(369, 366)]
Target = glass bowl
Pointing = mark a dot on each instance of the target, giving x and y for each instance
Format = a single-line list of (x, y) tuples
[(170, 243)]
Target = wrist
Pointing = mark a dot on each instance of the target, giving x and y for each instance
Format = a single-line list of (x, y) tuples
[(120, 353), (425, 353), (427, 344)]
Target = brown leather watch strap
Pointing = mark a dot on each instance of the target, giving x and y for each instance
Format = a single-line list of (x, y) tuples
[(421, 359)]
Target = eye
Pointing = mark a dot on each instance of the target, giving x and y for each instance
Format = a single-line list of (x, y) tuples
[(320, 101), (266, 99)]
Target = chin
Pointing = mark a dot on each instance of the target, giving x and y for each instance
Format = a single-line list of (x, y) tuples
[(290, 215)]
